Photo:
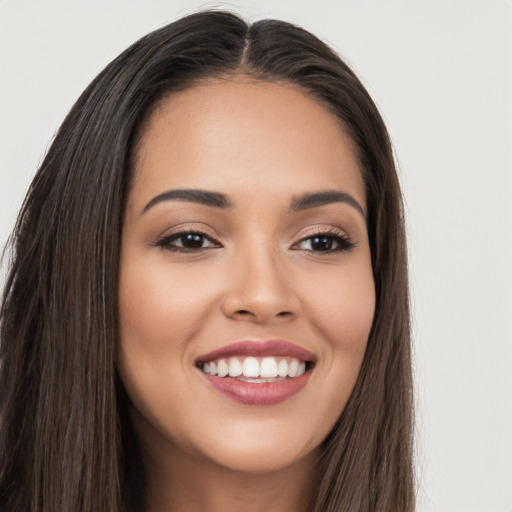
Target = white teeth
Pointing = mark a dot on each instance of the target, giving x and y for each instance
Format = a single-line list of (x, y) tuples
[(235, 367), (282, 368), (259, 380), (268, 368), (222, 368), (293, 367), (251, 367)]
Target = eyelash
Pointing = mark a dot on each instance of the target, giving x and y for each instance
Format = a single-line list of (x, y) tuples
[(166, 241), (343, 241)]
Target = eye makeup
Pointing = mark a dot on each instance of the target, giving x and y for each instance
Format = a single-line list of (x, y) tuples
[(322, 240), (187, 240), (325, 240)]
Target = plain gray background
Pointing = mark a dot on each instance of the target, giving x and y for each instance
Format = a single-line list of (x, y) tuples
[(441, 73)]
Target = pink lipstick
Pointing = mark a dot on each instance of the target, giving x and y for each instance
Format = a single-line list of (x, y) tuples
[(259, 348), (257, 372)]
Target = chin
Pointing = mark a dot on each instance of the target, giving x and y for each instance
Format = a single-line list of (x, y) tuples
[(262, 457), (260, 446)]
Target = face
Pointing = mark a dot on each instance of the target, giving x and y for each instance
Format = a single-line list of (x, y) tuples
[(246, 287)]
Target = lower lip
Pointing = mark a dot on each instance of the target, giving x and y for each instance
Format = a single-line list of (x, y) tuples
[(265, 393)]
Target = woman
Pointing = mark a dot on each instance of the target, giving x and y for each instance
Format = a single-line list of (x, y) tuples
[(207, 306)]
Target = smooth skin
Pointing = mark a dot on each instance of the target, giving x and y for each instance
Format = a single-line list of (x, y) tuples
[(255, 270)]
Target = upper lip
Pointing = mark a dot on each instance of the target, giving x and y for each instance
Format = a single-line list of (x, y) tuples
[(275, 347)]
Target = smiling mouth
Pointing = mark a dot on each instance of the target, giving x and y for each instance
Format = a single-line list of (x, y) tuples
[(257, 370)]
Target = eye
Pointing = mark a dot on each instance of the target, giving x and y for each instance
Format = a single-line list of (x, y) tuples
[(187, 241), (325, 242)]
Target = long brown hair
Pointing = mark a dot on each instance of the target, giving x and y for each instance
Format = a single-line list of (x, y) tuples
[(66, 441)]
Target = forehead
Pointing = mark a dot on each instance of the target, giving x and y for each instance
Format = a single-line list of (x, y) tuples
[(241, 134)]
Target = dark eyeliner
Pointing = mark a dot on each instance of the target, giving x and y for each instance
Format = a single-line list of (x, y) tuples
[(166, 241), (344, 243)]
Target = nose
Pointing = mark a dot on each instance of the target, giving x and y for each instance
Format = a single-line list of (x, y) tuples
[(259, 289)]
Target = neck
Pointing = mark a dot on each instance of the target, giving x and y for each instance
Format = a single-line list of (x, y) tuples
[(195, 489)]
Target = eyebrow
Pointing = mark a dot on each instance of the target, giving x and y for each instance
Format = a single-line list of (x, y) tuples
[(218, 200), (205, 197), (316, 199)]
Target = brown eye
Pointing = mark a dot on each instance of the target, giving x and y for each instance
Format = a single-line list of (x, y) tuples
[(191, 241), (326, 243), (321, 243), (187, 242)]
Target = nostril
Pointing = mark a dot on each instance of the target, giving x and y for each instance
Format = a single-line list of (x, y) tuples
[(259, 314)]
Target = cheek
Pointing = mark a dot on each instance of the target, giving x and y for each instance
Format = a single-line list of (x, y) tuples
[(160, 311), (342, 312), (160, 307), (343, 308)]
